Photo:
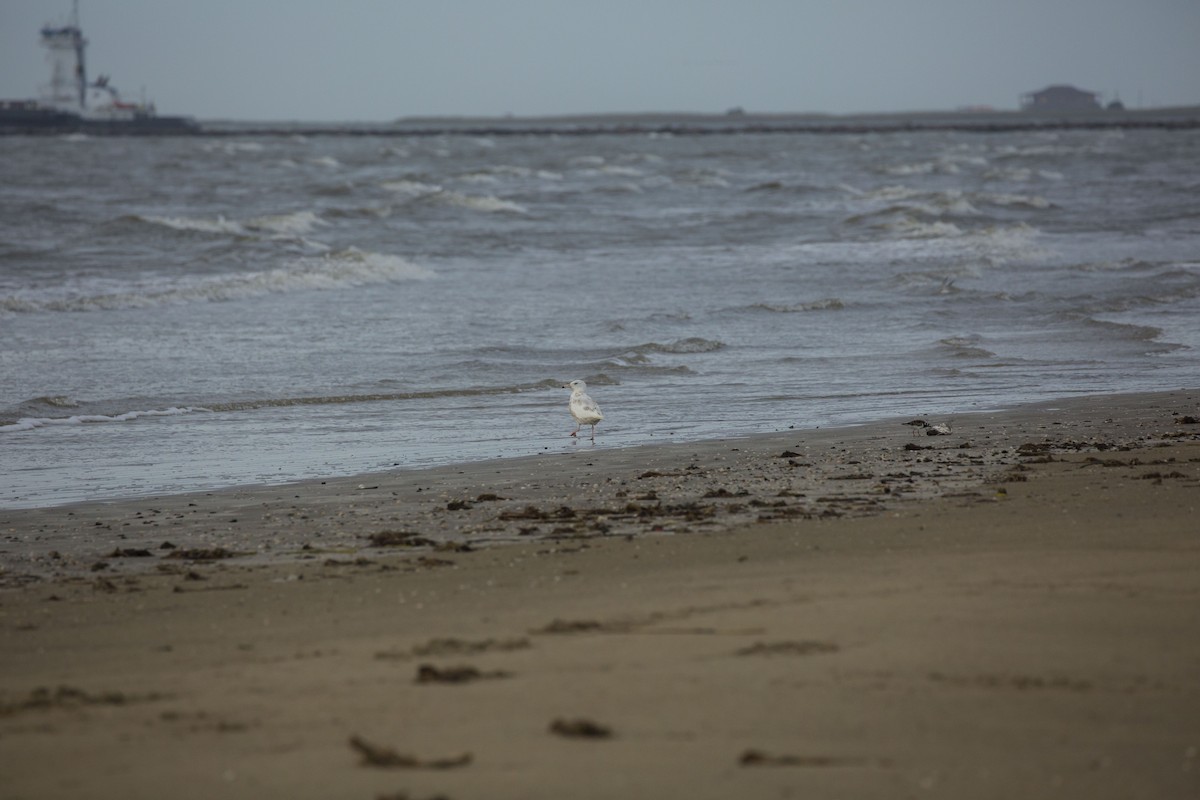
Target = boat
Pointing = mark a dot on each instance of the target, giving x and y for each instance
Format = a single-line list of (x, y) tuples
[(70, 104)]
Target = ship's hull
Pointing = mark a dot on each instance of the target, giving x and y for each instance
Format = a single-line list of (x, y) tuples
[(22, 119)]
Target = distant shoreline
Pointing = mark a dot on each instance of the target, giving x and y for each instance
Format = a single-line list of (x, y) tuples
[(675, 124), (693, 124)]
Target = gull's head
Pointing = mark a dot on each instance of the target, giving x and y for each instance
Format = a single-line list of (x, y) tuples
[(575, 386)]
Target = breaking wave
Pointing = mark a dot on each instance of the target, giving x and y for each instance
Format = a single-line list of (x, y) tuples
[(296, 224), (487, 203), (333, 270), (1017, 201), (1122, 330), (640, 357), (965, 347), (692, 344), (412, 188), (420, 191)]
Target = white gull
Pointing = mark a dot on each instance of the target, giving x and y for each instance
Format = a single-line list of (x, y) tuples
[(583, 408)]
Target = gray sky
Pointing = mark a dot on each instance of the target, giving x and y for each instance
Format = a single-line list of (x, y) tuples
[(363, 60)]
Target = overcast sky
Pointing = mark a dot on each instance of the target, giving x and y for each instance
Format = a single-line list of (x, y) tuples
[(366, 60)]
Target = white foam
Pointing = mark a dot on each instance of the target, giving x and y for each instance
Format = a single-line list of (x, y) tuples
[(218, 225), (351, 267), (231, 148), (627, 172), (1026, 200), (290, 225), (493, 174), (411, 187), (904, 170), (297, 223), (915, 229), (888, 193), (478, 177), (33, 423), (488, 203), (330, 271)]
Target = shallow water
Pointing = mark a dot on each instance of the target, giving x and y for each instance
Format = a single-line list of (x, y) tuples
[(187, 313)]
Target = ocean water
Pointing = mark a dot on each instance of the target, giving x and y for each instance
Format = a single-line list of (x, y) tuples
[(188, 313)]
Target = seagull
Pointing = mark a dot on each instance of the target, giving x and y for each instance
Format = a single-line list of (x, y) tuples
[(583, 408)]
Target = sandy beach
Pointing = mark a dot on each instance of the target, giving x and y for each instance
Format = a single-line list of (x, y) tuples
[(1011, 608)]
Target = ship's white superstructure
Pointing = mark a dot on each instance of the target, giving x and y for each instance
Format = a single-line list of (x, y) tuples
[(68, 89), (65, 48)]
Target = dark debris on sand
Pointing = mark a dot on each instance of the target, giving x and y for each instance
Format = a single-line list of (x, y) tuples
[(799, 648), (373, 755), (399, 539), (202, 554), (705, 490), (44, 698), (428, 673), (758, 758), (580, 729), (441, 647)]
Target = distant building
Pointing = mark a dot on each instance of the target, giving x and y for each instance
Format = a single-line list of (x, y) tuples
[(1060, 98)]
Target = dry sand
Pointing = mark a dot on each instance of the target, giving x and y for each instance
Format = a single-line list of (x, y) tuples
[(1012, 612)]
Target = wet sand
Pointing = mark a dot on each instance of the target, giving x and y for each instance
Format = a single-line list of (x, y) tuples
[(1010, 609)]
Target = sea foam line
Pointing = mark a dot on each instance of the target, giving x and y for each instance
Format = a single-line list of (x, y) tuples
[(33, 423)]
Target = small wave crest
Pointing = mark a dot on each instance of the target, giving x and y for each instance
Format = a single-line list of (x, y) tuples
[(33, 423), (828, 304), (693, 344), (487, 203), (295, 224), (231, 148), (412, 188), (1017, 201), (1120, 330), (965, 347), (1115, 336), (910, 214), (910, 228), (55, 401), (920, 168), (641, 357), (1025, 175), (332, 270), (419, 191), (901, 199)]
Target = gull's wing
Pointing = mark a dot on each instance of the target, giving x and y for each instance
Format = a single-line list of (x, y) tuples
[(584, 408)]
